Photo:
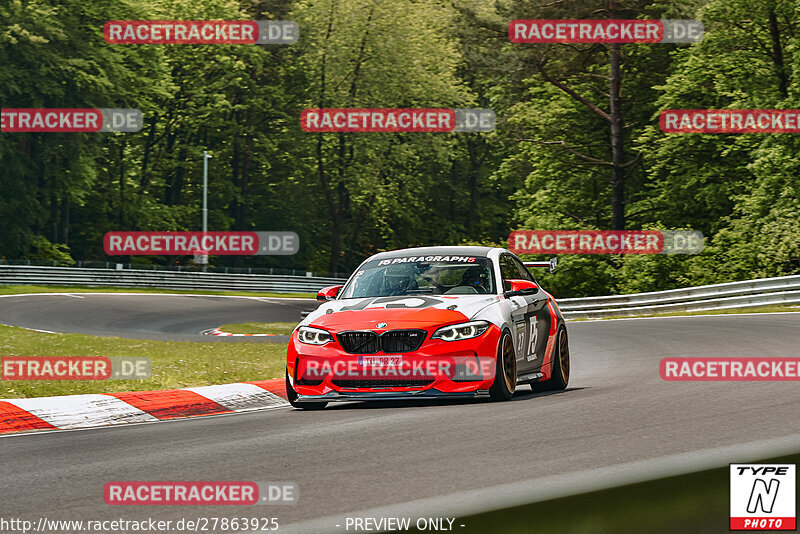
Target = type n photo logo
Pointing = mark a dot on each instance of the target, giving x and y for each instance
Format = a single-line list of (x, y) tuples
[(763, 497)]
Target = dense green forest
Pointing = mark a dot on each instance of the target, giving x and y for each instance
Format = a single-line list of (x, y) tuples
[(548, 165)]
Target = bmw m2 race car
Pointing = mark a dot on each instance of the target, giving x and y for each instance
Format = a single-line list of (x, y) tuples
[(429, 322)]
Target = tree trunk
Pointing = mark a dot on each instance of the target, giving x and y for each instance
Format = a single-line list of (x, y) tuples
[(65, 204), (617, 143), (474, 171), (336, 229), (122, 210), (777, 55)]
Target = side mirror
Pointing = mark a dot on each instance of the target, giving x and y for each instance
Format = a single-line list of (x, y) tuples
[(519, 288), (328, 293)]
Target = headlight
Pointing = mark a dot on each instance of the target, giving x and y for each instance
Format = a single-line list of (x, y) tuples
[(313, 336), (461, 331)]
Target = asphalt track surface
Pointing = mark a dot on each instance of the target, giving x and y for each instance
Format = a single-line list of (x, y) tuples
[(148, 316), (355, 457)]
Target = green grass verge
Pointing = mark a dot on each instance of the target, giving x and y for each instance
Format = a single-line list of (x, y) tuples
[(175, 364), (692, 503), (731, 311), (16, 290), (259, 328)]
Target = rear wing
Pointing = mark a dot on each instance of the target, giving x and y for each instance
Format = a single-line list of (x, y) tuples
[(550, 264)]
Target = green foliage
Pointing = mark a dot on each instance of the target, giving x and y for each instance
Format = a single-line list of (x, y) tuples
[(45, 250), (174, 364), (349, 195)]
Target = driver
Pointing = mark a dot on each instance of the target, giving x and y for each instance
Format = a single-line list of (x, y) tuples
[(396, 285), (474, 277), (399, 282)]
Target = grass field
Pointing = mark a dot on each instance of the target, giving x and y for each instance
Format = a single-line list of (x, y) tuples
[(16, 290), (175, 364), (259, 328)]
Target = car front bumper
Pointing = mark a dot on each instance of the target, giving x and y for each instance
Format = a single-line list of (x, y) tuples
[(454, 369), (364, 395)]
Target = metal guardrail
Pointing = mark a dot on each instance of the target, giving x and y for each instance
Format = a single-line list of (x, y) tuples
[(135, 278), (141, 266), (784, 290)]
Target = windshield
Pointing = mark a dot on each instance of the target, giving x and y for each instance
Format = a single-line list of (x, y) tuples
[(453, 275)]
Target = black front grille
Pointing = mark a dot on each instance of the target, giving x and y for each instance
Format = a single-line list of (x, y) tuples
[(364, 342), (355, 384), (391, 341)]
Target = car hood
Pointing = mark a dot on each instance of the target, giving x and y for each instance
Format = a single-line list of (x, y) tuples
[(421, 311)]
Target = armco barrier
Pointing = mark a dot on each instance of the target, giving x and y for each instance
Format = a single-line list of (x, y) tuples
[(783, 290), (748, 293), (134, 278)]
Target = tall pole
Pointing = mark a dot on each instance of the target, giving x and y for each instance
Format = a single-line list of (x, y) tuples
[(206, 157), (205, 190), (617, 132)]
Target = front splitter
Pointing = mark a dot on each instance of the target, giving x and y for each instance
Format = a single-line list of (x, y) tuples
[(333, 396)]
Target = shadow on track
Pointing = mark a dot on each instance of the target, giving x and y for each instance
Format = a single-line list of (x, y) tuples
[(523, 395)]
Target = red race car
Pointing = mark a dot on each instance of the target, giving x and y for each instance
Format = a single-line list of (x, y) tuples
[(429, 322)]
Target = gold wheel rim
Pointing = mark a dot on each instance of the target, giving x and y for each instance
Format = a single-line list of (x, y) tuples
[(509, 365), (563, 355)]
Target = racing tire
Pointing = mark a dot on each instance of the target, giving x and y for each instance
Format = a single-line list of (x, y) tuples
[(561, 365), (291, 395), (505, 374)]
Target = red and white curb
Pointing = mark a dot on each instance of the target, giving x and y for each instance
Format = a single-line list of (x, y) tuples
[(218, 332), (101, 409)]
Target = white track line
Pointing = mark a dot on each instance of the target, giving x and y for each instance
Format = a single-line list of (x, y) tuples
[(26, 328)]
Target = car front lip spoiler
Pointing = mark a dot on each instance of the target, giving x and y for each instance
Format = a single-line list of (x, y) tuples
[(334, 396)]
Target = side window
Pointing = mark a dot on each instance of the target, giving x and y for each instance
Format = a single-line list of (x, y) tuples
[(524, 273), (508, 269)]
